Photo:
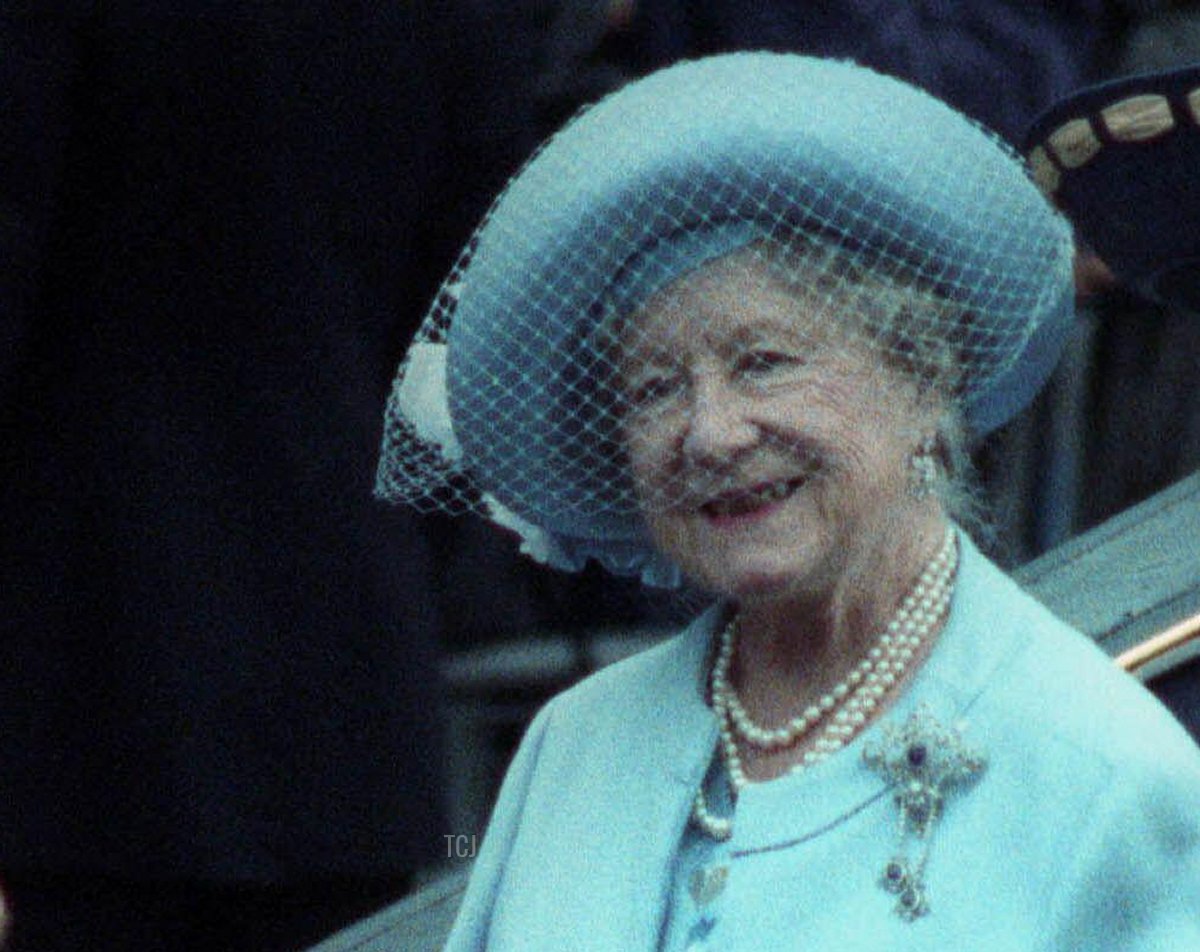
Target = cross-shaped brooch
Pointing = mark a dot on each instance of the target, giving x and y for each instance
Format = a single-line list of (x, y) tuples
[(922, 761)]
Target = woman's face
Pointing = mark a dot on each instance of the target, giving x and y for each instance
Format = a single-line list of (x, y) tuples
[(766, 447)]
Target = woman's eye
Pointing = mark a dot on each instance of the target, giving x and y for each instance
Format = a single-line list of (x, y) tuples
[(652, 390), (758, 362)]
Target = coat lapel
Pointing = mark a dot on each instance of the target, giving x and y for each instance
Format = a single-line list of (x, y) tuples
[(664, 750)]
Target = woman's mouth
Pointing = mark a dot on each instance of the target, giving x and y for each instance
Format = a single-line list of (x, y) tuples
[(744, 502)]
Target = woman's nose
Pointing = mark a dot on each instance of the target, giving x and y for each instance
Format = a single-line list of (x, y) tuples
[(718, 425)]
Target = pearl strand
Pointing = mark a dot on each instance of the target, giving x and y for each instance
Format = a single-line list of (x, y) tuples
[(904, 624), (846, 708)]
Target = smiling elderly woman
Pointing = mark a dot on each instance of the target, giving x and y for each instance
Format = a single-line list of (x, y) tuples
[(734, 324)]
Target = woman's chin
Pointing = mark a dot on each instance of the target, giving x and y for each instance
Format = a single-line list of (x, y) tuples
[(759, 582)]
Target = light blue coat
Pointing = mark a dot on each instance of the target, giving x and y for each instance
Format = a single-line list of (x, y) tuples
[(1083, 833)]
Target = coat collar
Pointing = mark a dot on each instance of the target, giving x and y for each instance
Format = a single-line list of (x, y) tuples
[(972, 646)]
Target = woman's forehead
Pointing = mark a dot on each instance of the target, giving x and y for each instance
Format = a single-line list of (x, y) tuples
[(738, 299)]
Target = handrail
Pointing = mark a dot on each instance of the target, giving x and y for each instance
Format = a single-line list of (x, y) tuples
[(1143, 655)]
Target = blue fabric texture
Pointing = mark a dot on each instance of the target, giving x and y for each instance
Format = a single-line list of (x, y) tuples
[(1083, 832)]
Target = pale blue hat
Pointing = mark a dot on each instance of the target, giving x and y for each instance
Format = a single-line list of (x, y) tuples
[(504, 405)]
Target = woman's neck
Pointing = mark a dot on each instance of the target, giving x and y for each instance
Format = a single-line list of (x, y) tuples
[(790, 650)]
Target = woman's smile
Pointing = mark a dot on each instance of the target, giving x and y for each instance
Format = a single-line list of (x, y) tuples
[(752, 503)]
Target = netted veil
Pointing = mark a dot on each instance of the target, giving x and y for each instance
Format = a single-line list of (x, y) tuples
[(889, 218)]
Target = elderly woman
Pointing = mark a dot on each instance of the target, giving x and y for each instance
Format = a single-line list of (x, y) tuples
[(735, 325)]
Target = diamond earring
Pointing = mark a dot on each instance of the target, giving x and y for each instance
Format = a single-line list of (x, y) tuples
[(923, 469)]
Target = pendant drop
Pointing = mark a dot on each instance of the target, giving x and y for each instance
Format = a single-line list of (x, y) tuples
[(922, 761)]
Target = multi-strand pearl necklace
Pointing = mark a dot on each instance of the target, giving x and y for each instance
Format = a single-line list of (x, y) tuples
[(847, 707)]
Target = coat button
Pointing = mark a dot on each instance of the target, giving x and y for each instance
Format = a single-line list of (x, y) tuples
[(707, 883)]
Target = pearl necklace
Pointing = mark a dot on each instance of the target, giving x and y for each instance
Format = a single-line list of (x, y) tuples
[(847, 707)]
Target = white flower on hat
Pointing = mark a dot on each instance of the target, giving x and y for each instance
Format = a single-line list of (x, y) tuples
[(421, 397)]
